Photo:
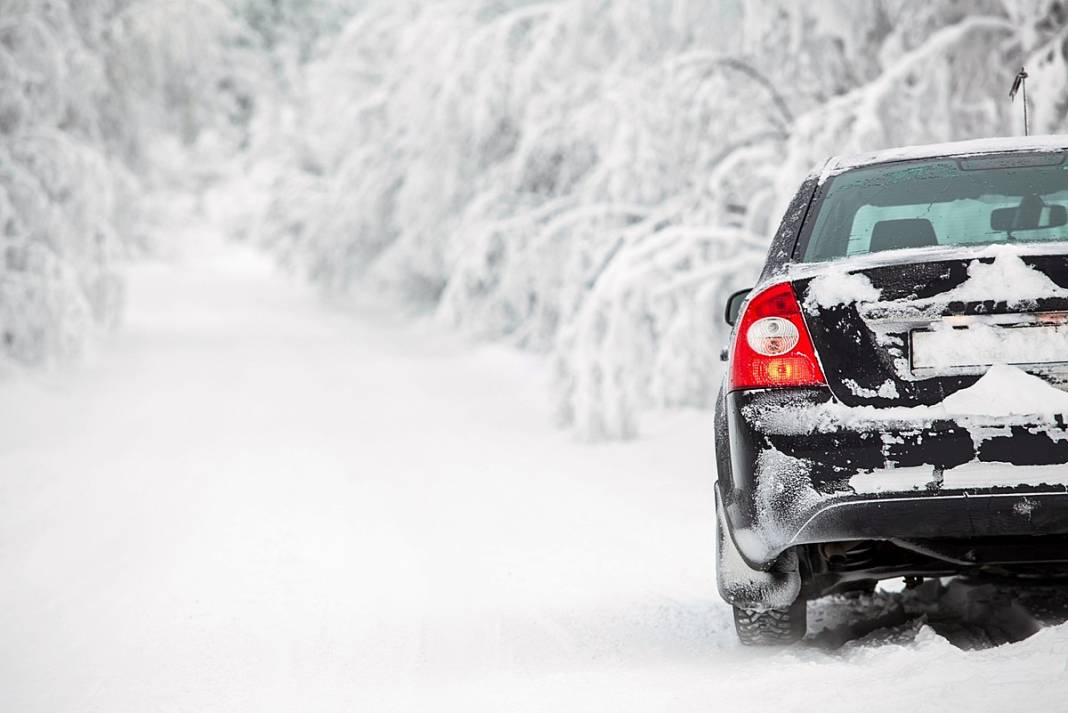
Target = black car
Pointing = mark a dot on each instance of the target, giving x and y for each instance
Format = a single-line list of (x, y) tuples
[(894, 400)]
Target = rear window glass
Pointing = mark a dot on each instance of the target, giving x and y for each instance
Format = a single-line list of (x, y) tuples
[(964, 201)]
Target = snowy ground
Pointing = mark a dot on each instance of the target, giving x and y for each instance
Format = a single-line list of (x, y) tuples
[(250, 502)]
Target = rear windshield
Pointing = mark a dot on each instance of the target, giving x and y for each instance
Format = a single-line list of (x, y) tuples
[(1020, 197)]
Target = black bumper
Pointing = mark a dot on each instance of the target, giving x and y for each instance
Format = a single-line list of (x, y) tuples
[(798, 478)]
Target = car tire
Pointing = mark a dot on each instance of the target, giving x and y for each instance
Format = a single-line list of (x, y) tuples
[(771, 627)]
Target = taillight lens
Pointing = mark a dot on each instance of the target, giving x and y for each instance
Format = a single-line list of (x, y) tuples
[(772, 336), (772, 346)]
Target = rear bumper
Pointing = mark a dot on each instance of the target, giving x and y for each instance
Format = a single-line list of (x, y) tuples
[(961, 515), (795, 479)]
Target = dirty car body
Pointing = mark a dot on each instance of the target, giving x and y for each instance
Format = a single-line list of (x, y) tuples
[(893, 397)]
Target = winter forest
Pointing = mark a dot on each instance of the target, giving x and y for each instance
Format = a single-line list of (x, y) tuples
[(584, 179), (361, 355)]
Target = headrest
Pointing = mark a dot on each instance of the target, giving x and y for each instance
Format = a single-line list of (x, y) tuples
[(904, 233)]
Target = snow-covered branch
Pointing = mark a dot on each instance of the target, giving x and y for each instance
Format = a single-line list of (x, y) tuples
[(583, 178), (591, 178)]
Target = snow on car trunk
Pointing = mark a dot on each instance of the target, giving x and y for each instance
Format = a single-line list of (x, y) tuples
[(911, 328), (1004, 396)]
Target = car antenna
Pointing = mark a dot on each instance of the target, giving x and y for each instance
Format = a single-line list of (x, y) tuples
[(1020, 84)]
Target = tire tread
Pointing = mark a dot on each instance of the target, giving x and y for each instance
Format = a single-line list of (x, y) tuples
[(771, 627)]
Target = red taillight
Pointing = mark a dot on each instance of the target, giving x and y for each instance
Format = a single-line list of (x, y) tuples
[(772, 346)]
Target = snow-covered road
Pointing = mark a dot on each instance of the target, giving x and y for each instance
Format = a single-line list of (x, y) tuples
[(249, 502)]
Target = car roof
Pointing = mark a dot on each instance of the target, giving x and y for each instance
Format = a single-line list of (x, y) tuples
[(838, 164)]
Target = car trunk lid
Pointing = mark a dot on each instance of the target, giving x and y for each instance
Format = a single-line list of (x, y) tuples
[(911, 332)]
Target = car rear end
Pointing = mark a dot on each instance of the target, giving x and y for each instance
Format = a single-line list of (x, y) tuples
[(894, 401)]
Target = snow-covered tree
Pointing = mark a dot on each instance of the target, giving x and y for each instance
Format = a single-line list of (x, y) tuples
[(90, 91), (584, 178), (591, 178), (60, 195)]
